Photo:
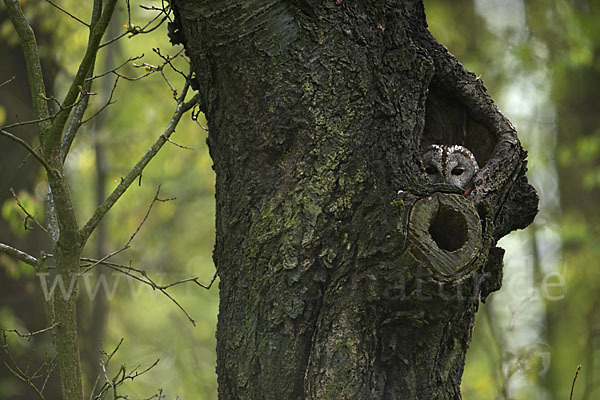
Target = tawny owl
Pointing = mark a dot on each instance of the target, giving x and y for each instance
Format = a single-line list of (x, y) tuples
[(454, 164)]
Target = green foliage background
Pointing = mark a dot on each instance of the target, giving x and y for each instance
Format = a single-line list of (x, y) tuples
[(176, 241), (538, 58)]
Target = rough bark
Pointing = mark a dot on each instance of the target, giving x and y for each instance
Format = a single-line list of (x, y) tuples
[(343, 273)]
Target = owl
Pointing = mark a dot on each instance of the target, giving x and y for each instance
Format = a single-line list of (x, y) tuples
[(453, 165)]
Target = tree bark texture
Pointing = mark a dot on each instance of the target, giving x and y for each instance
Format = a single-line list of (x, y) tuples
[(344, 274)]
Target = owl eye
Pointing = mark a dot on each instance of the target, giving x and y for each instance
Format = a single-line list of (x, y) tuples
[(431, 170), (457, 171)]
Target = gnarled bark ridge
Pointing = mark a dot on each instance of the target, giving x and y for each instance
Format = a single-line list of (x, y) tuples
[(343, 273)]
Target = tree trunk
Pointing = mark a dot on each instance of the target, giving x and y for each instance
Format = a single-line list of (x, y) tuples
[(343, 272)]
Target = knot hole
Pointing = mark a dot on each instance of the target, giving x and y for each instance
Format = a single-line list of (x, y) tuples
[(448, 228)]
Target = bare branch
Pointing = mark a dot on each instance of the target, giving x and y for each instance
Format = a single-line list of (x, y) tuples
[(75, 121), (179, 145), (68, 13), (158, 68), (28, 147), (574, 380), (116, 68), (156, 198), (32, 59), (29, 335), (73, 126), (101, 211), (19, 255), (168, 60), (139, 227), (85, 66), (108, 103), (103, 259), (7, 82), (133, 30), (24, 374), (143, 277), (29, 216), (24, 123), (119, 378)]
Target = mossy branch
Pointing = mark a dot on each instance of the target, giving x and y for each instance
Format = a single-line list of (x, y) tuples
[(34, 68), (19, 255)]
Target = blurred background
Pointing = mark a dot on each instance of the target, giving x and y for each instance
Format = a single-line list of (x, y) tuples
[(539, 60)]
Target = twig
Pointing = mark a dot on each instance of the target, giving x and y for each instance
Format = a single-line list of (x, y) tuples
[(68, 13), (103, 259), (156, 198), (168, 60), (29, 216), (29, 335), (7, 81), (23, 373), (28, 147), (24, 123), (124, 63), (574, 380), (19, 255), (108, 102), (145, 279), (136, 30), (119, 377), (139, 227), (179, 145)]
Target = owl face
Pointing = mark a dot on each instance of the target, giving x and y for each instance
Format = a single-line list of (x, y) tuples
[(454, 165)]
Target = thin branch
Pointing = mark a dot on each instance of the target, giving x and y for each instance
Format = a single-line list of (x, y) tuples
[(23, 373), (68, 13), (128, 12), (28, 147), (133, 30), (195, 280), (156, 198), (179, 145), (108, 103), (23, 377), (104, 259), (25, 123), (143, 277), (168, 60), (119, 378), (116, 68), (101, 211), (160, 68), (7, 82), (574, 380), (29, 216), (19, 255), (29, 335), (169, 83), (74, 125), (139, 227)]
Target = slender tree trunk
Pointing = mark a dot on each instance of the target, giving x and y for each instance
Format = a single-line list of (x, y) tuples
[(343, 272)]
